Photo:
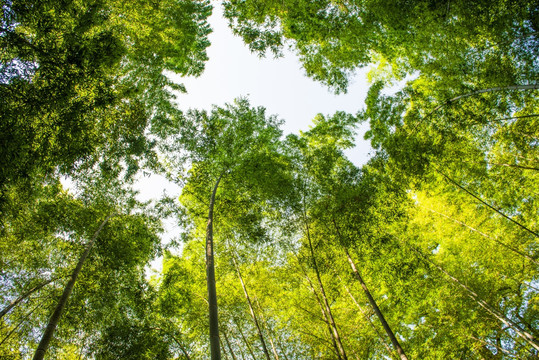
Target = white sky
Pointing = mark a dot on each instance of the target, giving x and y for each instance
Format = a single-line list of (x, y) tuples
[(279, 85)]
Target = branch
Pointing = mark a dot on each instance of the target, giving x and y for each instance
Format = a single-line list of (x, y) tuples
[(485, 203)]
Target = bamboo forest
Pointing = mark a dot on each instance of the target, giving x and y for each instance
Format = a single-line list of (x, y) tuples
[(284, 248)]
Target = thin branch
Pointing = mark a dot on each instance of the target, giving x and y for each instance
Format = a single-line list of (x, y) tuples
[(25, 317), (485, 203), (25, 295), (529, 338), (485, 235)]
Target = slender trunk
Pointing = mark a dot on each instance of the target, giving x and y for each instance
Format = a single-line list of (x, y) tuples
[(486, 236), (242, 353), (245, 340), (274, 350), (325, 317), (366, 317), (322, 318), (253, 315), (229, 347), (176, 340), (210, 278), (282, 349), (323, 293), (182, 348), (484, 203), (372, 302), (24, 296), (53, 321), (40, 304), (377, 310), (268, 330), (321, 340), (222, 347), (529, 338)]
